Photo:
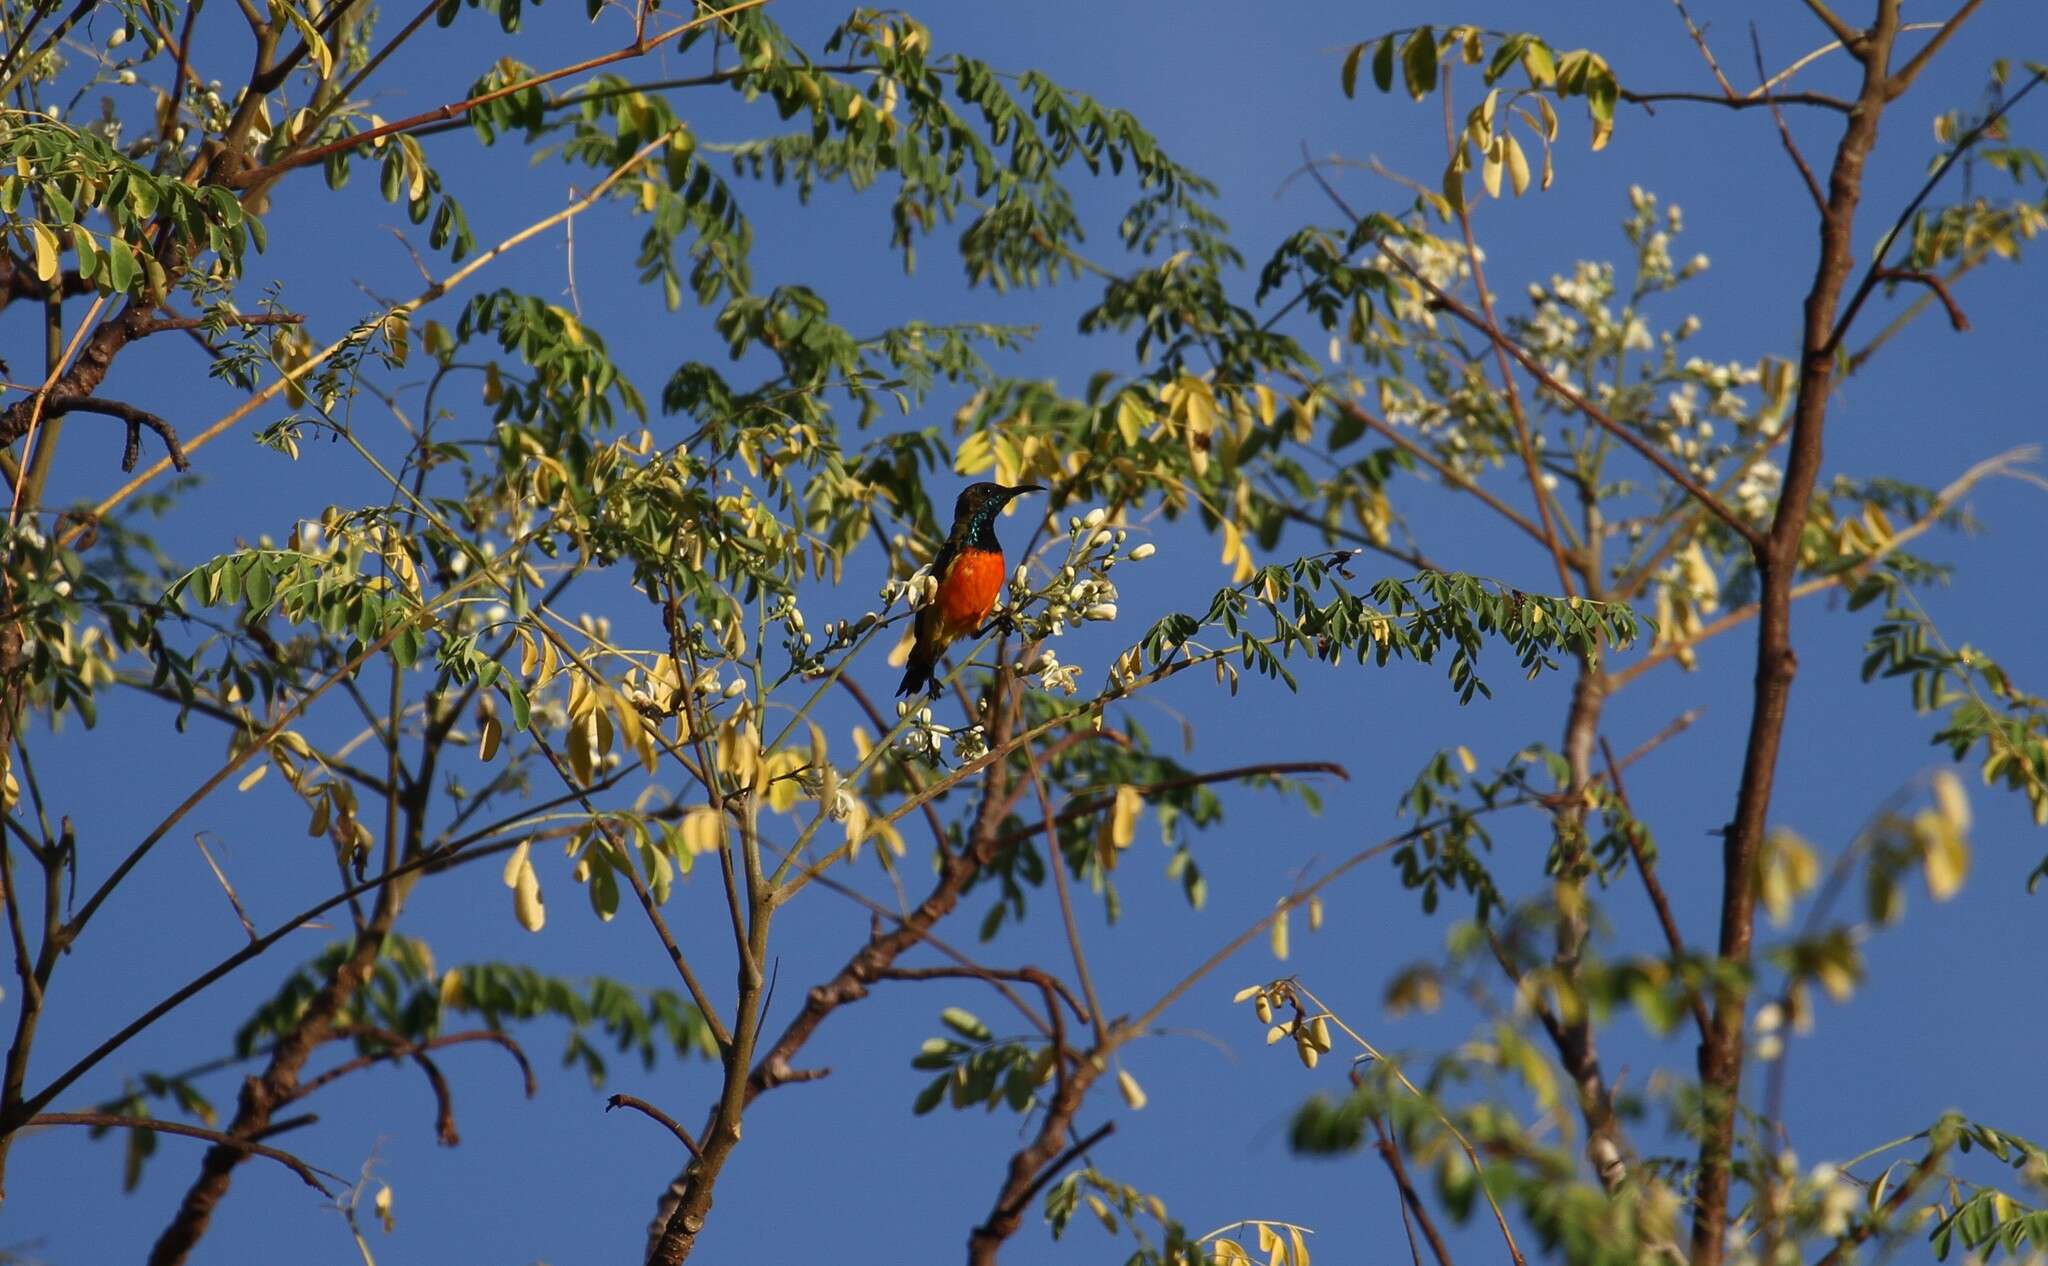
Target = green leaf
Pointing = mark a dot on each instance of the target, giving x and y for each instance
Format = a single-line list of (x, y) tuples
[(1418, 63), (1350, 74), (1383, 65)]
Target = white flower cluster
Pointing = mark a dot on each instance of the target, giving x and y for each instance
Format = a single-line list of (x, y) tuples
[(1445, 263), (1082, 591), (924, 738)]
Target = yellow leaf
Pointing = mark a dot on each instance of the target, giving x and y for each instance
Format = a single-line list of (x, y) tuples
[(1279, 935), (1131, 418), (582, 747), (977, 453), (46, 251), (856, 829), (253, 777), (899, 654), (516, 863), (1518, 167), (526, 902), (489, 735), (1788, 869), (1944, 852), (1951, 800), (636, 729), (1128, 1086), (1236, 554), (1466, 759), (1268, 404), (703, 830), (383, 1206), (1124, 817)]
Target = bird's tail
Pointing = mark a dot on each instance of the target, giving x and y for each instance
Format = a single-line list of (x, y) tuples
[(918, 673)]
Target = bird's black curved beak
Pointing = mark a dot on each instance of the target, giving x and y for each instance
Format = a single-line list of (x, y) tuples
[(1021, 489)]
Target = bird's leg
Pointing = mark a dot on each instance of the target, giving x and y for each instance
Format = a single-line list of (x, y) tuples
[(1003, 620)]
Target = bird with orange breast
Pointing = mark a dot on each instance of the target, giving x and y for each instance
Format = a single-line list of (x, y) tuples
[(971, 571)]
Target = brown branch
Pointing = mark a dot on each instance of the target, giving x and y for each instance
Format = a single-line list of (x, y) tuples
[(1928, 1167), (397, 1047), (1777, 562), (931, 813), (1820, 201), (1699, 39), (1626, 435), (1877, 268), (1906, 74), (1851, 38), (1056, 862), (454, 855), (1081, 808), (1064, 1159), (1051, 985), (161, 324), (1035, 1164), (1651, 884), (58, 406), (456, 109), (1411, 1200), (1820, 100), (698, 995), (647, 1109), (18, 281), (1679, 725), (1956, 319), (113, 1120), (1453, 142), (199, 838)]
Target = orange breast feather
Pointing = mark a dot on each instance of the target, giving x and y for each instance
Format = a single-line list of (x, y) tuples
[(969, 590)]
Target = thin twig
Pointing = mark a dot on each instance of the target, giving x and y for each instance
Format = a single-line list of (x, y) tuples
[(1756, 46), (642, 1106), (1655, 888), (1956, 319), (456, 109), (1056, 862), (116, 1121), (1877, 268), (1064, 1159), (1512, 389), (1411, 1200), (199, 838)]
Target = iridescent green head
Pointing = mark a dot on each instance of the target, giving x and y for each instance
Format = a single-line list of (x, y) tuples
[(974, 514)]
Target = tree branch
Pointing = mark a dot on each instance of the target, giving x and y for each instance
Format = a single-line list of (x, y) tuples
[(136, 419), (1411, 1200), (456, 109), (647, 1109), (115, 1121)]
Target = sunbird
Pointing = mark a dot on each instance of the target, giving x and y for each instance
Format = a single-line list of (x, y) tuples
[(971, 572)]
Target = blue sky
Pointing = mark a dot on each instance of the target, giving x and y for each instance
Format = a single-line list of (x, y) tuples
[(840, 1167)]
